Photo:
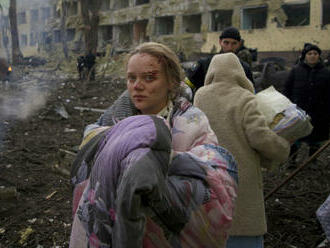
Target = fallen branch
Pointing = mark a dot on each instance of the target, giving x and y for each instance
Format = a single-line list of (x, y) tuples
[(295, 172), (68, 152), (51, 195), (90, 109)]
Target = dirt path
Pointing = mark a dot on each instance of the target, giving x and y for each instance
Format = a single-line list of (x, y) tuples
[(39, 215)]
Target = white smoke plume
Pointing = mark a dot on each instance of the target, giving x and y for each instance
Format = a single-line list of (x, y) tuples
[(21, 105)]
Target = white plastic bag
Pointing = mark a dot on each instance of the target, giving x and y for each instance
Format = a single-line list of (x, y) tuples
[(271, 102), (282, 116)]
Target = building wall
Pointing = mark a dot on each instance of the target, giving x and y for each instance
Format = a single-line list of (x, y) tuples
[(34, 26), (271, 38), (281, 39)]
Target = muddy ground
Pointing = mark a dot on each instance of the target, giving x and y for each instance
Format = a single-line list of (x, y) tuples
[(35, 160)]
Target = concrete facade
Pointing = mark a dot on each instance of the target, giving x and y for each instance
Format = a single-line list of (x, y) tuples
[(33, 18), (192, 26)]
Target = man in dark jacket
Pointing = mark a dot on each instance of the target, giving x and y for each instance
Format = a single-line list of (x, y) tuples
[(308, 86), (229, 41)]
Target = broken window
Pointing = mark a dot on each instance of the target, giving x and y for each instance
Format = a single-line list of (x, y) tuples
[(6, 21), (297, 12), (21, 18), (56, 13), (164, 25), (24, 40), (121, 4), (34, 15), (221, 19), (254, 17), (72, 8), (57, 36), (105, 5), (140, 31), (192, 23), (325, 12), (70, 33), (43, 37), (45, 13), (124, 35), (139, 2), (33, 39), (106, 33)]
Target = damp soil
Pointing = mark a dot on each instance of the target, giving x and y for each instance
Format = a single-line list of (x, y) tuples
[(37, 152)]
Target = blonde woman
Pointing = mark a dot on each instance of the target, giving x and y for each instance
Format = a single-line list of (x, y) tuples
[(152, 173)]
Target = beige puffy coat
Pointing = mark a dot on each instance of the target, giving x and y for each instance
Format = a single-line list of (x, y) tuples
[(229, 102)]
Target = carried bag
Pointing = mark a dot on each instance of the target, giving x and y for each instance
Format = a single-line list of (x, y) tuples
[(292, 124), (282, 116), (271, 102)]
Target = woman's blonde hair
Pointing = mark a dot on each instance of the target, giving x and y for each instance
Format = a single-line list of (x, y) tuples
[(170, 61)]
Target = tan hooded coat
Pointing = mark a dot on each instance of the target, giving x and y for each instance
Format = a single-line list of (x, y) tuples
[(229, 102)]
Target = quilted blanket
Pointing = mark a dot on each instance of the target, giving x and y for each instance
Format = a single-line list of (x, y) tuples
[(132, 190)]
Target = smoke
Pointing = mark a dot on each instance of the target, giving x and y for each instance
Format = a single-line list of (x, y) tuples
[(21, 105)]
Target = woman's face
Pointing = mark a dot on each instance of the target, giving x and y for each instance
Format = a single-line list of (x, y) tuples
[(312, 57), (147, 84)]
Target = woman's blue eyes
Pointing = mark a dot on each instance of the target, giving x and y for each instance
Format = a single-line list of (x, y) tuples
[(147, 78)]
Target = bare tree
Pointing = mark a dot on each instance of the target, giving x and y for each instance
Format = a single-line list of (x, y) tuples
[(62, 9), (17, 55), (90, 18)]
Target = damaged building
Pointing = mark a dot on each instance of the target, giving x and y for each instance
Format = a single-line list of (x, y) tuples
[(190, 27), (32, 19)]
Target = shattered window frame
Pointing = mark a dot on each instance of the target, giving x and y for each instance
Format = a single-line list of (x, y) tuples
[(23, 40), (105, 5), (221, 19), (325, 12), (34, 15), (106, 33), (254, 17), (140, 2), (121, 4), (297, 14), (164, 25), (43, 37), (21, 18), (57, 36), (70, 34), (72, 8), (33, 39), (56, 14), (140, 31), (123, 34), (192, 23), (45, 13)]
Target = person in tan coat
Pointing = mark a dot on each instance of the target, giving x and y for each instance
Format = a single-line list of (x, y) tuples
[(229, 102)]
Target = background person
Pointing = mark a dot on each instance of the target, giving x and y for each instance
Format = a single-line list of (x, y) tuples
[(308, 86), (229, 102), (153, 174), (229, 40)]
